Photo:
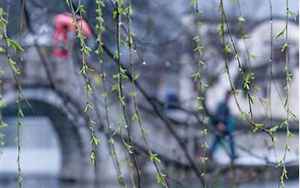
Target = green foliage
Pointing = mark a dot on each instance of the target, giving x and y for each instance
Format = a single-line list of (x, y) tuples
[(95, 140), (284, 47), (258, 127), (2, 136), (135, 117), (88, 85), (200, 101), (196, 76), (121, 181), (89, 88), (13, 66), (241, 19), (129, 147), (227, 49), (161, 179), (292, 14), (248, 79), (194, 2), (221, 29), (154, 157), (280, 33), (2, 50), (88, 107), (284, 173), (93, 157), (121, 11), (3, 124), (3, 21), (2, 104), (14, 45), (100, 28)]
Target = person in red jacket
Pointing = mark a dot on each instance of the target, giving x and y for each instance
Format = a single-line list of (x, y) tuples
[(66, 26)]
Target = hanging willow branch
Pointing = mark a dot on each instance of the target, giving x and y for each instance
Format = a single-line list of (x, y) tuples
[(16, 71), (128, 74)]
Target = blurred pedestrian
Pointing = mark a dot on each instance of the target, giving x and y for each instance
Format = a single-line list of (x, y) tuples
[(224, 124)]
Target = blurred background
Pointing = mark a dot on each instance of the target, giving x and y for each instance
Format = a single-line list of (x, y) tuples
[(178, 55)]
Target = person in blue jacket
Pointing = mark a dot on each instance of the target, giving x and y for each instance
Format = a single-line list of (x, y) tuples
[(224, 124)]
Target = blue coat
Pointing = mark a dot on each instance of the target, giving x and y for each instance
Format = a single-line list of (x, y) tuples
[(223, 115)]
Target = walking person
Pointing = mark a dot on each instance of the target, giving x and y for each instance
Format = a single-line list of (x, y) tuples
[(224, 125)]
